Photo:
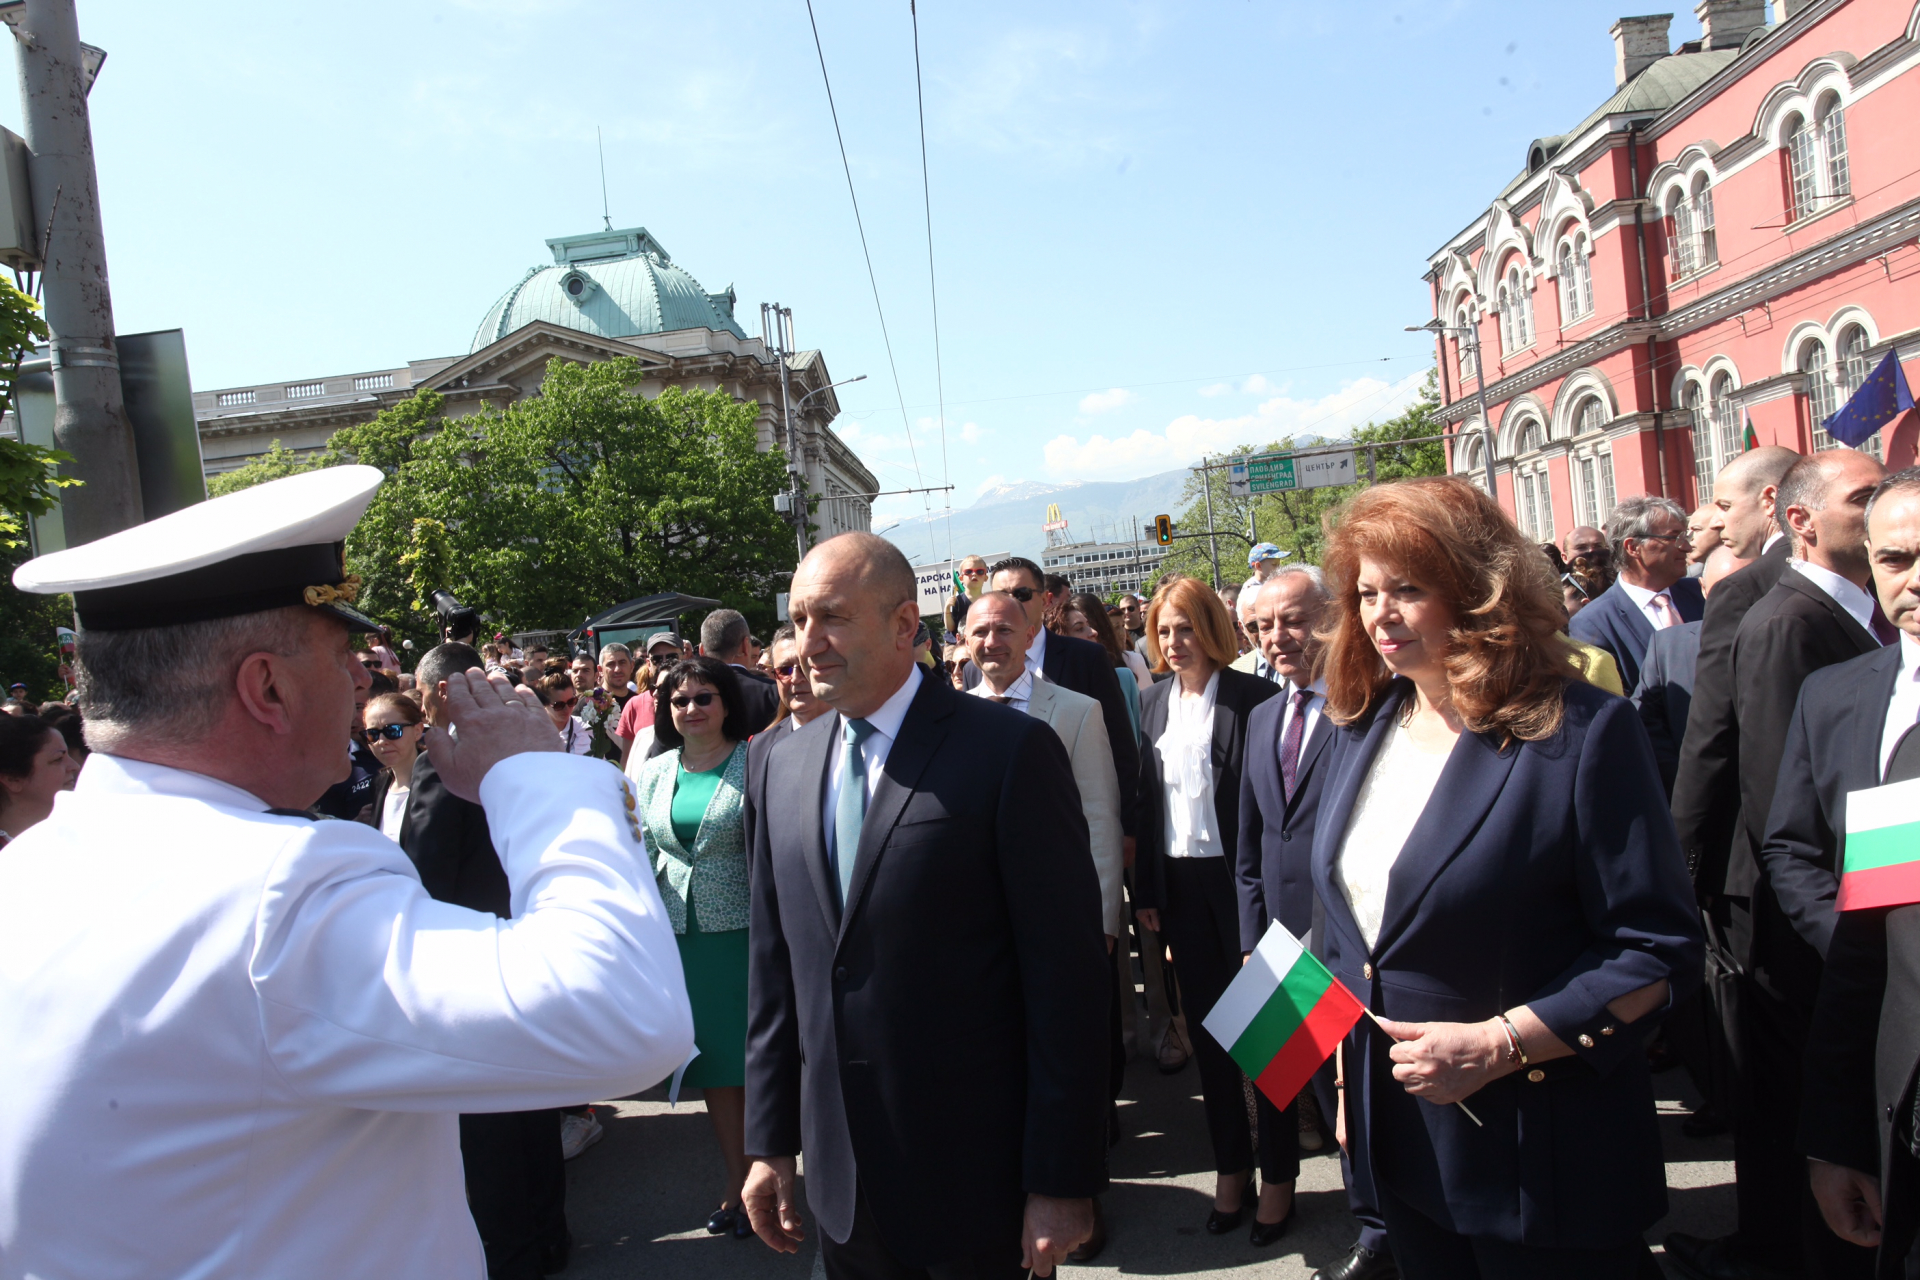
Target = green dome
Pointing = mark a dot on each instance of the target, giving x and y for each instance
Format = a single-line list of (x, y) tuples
[(618, 284)]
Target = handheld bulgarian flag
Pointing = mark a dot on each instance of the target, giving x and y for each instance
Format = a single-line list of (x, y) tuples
[(1749, 439), (1282, 1015), (1881, 866)]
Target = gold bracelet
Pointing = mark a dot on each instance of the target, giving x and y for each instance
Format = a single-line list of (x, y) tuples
[(1516, 1051)]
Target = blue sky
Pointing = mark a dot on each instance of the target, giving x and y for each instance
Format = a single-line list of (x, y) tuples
[(1160, 228)]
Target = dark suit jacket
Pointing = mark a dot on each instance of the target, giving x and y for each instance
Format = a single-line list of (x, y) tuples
[(944, 1039), (1615, 623), (1539, 873), (450, 845), (1273, 872), (761, 695), (1665, 693), (1234, 700), (1706, 789), (1084, 667)]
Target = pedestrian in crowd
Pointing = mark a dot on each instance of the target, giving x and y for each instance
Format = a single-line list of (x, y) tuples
[(1262, 560), (1279, 804), (17, 707), (923, 645), (1852, 731), (1665, 692), (798, 705), (636, 716), (1077, 620), (1818, 614), (1702, 538), (348, 800), (973, 580), (66, 718), (557, 694), (692, 808), (1134, 608), (1122, 641), (534, 658), (1444, 660), (1193, 730), (1230, 597), (1077, 665), (395, 727), (1652, 592), (724, 635), (304, 1070), (921, 863), (1251, 660), (35, 766), (616, 672)]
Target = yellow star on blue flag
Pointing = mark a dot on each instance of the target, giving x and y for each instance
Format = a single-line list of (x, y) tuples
[(1881, 398)]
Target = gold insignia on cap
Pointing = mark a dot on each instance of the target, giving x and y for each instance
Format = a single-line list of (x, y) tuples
[(346, 592)]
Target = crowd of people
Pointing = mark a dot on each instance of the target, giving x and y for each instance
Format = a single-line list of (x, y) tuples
[(1559, 816)]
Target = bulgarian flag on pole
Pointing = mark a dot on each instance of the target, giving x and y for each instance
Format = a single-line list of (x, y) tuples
[(1881, 866), (1282, 1015)]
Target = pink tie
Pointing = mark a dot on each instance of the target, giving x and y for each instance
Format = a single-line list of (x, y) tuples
[(1663, 610)]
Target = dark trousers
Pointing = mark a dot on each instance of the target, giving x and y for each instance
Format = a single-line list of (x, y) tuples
[(1426, 1250), (865, 1256), (1201, 924), (1373, 1228), (516, 1188)]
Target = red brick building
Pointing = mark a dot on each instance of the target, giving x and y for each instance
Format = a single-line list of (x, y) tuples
[(1728, 240)]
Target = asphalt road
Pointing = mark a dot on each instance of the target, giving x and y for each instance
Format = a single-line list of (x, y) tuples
[(638, 1200)]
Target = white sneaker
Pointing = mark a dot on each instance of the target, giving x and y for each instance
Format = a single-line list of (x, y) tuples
[(578, 1132)]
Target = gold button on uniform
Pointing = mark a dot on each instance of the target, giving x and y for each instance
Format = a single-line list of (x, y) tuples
[(1606, 1031), (1366, 971), (1586, 1041), (1536, 1075)]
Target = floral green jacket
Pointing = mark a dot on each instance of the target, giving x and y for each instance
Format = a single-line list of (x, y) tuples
[(715, 869)]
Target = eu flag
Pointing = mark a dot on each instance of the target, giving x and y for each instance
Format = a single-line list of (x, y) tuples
[(1880, 399)]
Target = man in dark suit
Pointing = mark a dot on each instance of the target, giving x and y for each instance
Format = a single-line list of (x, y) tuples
[(928, 998), (1818, 614), (516, 1176), (1287, 740), (1079, 665), (1665, 692), (1653, 591), (1853, 730), (724, 635)]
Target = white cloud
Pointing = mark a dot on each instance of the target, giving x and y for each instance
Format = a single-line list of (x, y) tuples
[(993, 481), (1189, 436), (1106, 401), (1216, 389), (1257, 385), (973, 433)]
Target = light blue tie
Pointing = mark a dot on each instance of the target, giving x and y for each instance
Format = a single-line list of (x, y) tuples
[(850, 809)]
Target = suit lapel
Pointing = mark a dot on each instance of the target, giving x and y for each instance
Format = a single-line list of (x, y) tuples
[(1870, 699), (1467, 788), (1226, 721), (1040, 700), (921, 733), (1632, 621), (811, 760), (1310, 752)]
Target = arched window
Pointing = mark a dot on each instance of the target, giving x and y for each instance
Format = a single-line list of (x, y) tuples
[(1833, 146), (1466, 343), (1530, 438), (1516, 311), (1576, 278), (1803, 167), (1817, 168), (1850, 370), (1726, 417), (1708, 250), (1592, 463), (1680, 210), (1532, 496), (1590, 416), (1693, 247), (1821, 400), (1705, 463)]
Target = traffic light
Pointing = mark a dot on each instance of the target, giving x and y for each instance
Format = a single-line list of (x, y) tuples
[(1163, 530)]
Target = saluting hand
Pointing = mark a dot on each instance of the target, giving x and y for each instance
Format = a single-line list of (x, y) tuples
[(495, 721)]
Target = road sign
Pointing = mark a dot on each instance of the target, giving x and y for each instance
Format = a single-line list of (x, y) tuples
[(1278, 472), (1163, 530)]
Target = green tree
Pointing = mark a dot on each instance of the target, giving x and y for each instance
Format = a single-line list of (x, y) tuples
[(30, 486), (1293, 520), (276, 463), (567, 502)]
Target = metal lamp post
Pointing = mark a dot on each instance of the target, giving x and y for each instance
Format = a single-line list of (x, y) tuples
[(1471, 341), (796, 464)]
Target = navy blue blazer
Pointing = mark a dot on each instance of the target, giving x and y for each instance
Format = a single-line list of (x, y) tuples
[(1545, 874), (1614, 623), (1273, 865), (1665, 693)]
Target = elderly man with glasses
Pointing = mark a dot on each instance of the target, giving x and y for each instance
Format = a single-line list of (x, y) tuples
[(1653, 592)]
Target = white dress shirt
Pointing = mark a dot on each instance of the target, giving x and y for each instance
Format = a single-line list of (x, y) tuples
[(255, 1042), (1037, 654), (1398, 788), (1903, 709), (1853, 599), (1017, 695), (1643, 599), (1186, 772), (886, 727)]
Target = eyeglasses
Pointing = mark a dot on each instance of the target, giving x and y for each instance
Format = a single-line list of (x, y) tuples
[(391, 732), (973, 573), (1022, 594), (1682, 536), (786, 671), (682, 701), (562, 702)]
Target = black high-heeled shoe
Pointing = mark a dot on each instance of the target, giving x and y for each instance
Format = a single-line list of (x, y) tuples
[(1265, 1233), (742, 1225), (1219, 1224)]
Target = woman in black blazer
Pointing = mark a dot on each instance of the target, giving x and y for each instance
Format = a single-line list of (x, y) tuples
[(1193, 738), (1502, 884)]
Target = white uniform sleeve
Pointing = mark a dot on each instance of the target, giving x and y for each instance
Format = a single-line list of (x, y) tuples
[(374, 995)]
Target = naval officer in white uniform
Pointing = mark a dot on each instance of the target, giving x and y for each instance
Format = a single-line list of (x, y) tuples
[(234, 1042)]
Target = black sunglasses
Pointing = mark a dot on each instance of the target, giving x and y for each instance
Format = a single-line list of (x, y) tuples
[(682, 701), (786, 669), (391, 732), (562, 702), (1022, 594)]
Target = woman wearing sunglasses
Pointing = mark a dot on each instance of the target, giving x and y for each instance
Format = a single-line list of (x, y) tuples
[(394, 725), (692, 806), (557, 694)]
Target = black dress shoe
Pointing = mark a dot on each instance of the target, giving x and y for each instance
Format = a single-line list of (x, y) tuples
[(1265, 1233), (1361, 1264), (742, 1225), (1218, 1223), (1095, 1242), (1721, 1259), (721, 1222)]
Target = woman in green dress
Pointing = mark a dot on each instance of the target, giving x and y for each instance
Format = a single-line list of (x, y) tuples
[(691, 800)]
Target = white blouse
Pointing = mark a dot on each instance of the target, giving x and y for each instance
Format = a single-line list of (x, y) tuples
[(1399, 784), (1186, 772), (394, 811)]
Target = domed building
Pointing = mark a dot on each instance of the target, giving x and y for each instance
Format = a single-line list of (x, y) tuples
[(606, 294)]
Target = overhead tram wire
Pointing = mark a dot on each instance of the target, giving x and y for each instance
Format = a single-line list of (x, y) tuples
[(906, 423), (933, 290)]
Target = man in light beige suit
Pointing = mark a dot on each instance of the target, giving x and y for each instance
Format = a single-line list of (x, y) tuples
[(997, 637)]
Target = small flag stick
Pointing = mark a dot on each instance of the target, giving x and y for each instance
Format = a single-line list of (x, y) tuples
[(1389, 1035)]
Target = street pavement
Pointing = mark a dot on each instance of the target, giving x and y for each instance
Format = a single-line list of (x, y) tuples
[(639, 1199)]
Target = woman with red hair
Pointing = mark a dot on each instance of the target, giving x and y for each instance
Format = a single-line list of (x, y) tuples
[(1503, 888), (1193, 737)]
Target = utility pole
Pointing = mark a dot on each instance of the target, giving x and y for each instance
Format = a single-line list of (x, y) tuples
[(1213, 543), (90, 419), (776, 329)]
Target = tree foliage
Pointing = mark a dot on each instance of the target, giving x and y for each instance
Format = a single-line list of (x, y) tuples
[(1293, 520), (562, 504), (30, 485), (277, 463)]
